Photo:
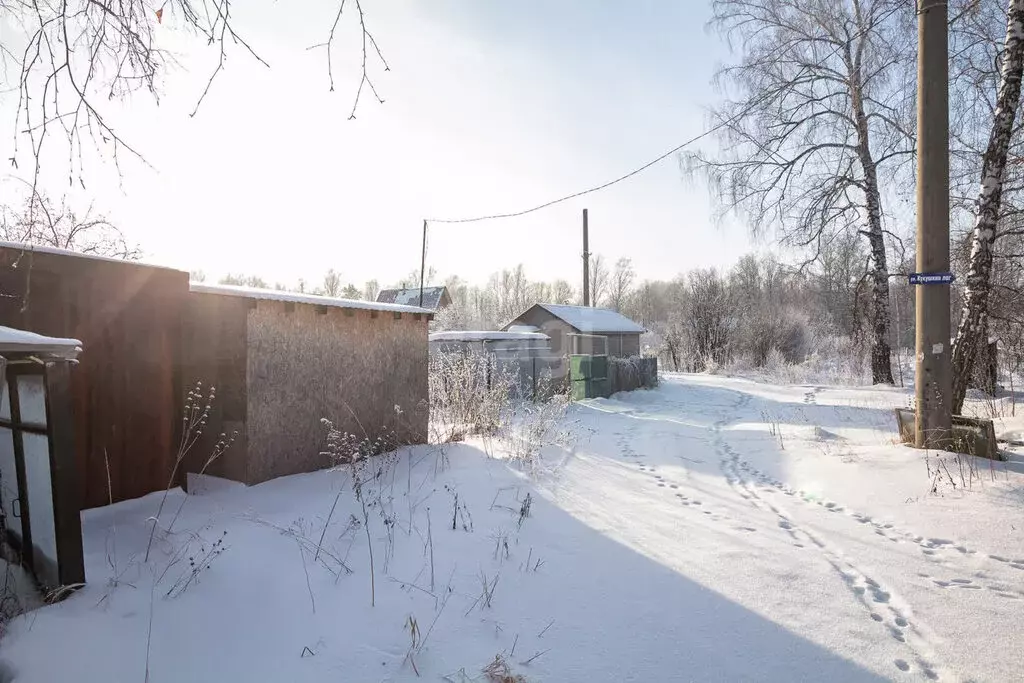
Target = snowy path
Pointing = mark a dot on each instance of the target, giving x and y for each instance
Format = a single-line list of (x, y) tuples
[(713, 529), (692, 476)]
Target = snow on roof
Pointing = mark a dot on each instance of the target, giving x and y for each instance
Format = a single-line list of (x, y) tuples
[(294, 297), (22, 341), (411, 297), (486, 335), (523, 328), (44, 249), (593, 320)]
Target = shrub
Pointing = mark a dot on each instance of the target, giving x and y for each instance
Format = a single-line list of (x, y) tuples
[(468, 395)]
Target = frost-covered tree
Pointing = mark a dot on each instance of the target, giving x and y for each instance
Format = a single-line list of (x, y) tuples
[(706, 319), (331, 285), (242, 280), (599, 279), (562, 292), (972, 331), (41, 221), (816, 116), (621, 284)]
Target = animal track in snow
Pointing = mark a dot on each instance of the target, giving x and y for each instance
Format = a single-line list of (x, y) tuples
[(931, 547)]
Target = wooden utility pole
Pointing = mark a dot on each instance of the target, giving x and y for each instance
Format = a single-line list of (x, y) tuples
[(586, 261), (423, 261), (932, 383)]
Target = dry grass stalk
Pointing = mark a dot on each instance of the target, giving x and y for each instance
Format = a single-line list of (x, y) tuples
[(499, 671), (197, 411)]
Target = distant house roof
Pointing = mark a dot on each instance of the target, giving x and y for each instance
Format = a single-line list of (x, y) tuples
[(434, 298), (592, 320), (294, 297), (24, 342)]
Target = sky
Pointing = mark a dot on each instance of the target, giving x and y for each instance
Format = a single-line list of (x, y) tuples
[(490, 107)]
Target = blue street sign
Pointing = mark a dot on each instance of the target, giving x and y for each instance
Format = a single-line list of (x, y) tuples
[(931, 278)]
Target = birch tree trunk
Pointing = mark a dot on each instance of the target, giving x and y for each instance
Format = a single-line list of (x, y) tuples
[(881, 365), (979, 276)]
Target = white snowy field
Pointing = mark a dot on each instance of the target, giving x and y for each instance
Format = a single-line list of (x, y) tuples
[(713, 529)]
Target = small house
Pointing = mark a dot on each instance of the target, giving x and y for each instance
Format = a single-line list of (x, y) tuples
[(280, 362), (582, 329), (434, 298)]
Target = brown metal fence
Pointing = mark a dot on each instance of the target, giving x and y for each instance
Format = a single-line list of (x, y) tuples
[(629, 374), (127, 388)]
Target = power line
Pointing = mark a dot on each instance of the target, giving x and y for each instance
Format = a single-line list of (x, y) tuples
[(596, 188), (714, 129)]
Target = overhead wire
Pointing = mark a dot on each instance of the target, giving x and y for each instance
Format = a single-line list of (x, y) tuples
[(640, 169)]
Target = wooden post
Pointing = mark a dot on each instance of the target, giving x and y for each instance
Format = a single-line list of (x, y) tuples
[(535, 378), (586, 260), (423, 261), (66, 502)]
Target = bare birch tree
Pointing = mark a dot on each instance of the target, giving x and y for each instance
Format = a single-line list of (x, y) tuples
[(370, 290), (821, 118), (64, 60), (332, 283), (621, 283), (598, 280), (972, 330), (42, 222), (561, 292)]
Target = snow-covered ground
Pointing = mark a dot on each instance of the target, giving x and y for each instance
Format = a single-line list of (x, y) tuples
[(713, 529)]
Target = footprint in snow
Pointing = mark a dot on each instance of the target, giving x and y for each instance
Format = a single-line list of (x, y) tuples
[(901, 622), (902, 665), (876, 616)]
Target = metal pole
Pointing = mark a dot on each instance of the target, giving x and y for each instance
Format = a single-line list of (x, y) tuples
[(586, 261), (423, 261), (933, 380)]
